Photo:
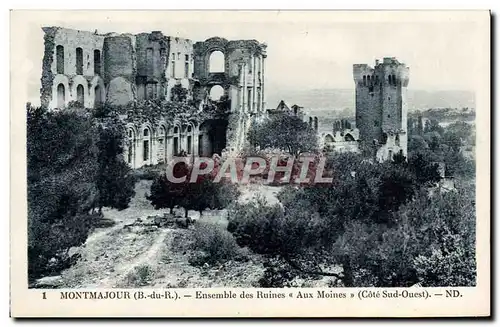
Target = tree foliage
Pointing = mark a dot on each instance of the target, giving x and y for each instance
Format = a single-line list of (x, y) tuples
[(66, 152), (285, 132), (201, 194), (377, 221)]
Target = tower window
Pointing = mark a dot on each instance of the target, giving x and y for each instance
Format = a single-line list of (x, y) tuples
[(388, 116), (97, 62), (364, 80), (79, 61), (60, 59)]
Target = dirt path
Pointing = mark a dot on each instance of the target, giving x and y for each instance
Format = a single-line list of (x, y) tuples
[(123, 269), (111, 256)]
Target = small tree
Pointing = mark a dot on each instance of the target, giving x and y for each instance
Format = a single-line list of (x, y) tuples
[(115, 181), (285, 132), (166, 194)]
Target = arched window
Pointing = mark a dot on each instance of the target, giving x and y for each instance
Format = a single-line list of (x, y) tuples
[(60, 59), (216, 62), (189, 129), (397, 140), (316, 123), (97, 62), (348, 138), (364, 80), (216, 92), (310, 122), (390, 79), (79, 61), (394, 80), (368, 79), (131, 146), (61, 96), (161, 144), (97, 96), (80, 96), (146, 153), (176, 140)]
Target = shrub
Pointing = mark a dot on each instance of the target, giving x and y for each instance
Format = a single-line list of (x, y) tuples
[(68, 153), (141, 275), (216, 244)]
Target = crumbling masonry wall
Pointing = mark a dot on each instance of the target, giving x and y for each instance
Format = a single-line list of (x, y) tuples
[(117, 68), (242, 81)]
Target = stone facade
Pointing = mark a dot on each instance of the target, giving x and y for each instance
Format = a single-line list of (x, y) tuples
[(113, 68), (381, 107)]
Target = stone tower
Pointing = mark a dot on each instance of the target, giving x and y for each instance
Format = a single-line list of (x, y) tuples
[(381, 107)]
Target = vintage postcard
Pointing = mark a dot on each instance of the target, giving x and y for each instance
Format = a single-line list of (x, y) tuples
[(250, 163)]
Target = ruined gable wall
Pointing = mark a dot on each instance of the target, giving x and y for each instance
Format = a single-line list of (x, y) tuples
[(175, 71), (70, 40)]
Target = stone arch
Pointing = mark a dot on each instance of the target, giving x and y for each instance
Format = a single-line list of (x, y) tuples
[(217, 62), (349, 138), (97, 91), (80, 94), (75, 83), (216, 92), (146, 137), (329, 139), (61, 96), (188, 133), (64, 81), (131, 148), (174, 132), (59, 59)]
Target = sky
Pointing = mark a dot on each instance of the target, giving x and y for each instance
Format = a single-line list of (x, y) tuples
[(306, 50)]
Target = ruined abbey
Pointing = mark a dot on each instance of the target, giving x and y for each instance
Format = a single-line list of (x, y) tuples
[(117, 69)]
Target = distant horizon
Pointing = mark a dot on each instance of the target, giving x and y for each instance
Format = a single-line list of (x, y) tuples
[(305, 52)]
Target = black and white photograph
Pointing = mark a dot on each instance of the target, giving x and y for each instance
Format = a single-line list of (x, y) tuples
[(324, 153)]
